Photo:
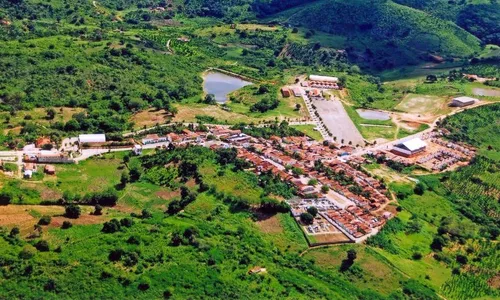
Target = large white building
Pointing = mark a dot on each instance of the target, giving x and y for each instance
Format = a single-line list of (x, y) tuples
[(410, 147), (323, 78), (92, 138), (463, 101)]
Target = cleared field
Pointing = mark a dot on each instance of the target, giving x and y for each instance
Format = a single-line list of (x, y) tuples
[(376, 273), (92, 175), (330, 238), (283, 232), (424, 104), (149, 118), (26, 216), (269, 224)]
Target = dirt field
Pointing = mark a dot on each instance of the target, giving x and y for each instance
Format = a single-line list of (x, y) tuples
[(332, 238), (26, 216), (150, 118), (270, 225), (424, 104)]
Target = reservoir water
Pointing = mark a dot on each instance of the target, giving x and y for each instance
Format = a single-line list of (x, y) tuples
[(486, 92), (373, 114), (221, 85)]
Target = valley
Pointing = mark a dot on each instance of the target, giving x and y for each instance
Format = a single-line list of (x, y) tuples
[(253, 149)]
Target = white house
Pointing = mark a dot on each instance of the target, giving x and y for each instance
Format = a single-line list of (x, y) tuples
[(137, 149), (92, 138)]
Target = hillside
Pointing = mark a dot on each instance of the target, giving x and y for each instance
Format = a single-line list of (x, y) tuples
[(385, 34)]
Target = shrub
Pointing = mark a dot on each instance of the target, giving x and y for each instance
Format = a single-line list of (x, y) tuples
[(45, 220), (417, 256), (27, 252)]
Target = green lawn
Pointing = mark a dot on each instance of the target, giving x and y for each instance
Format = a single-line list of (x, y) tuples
[(309, 131)]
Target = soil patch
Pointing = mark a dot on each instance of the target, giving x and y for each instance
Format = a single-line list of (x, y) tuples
[(269, 224)]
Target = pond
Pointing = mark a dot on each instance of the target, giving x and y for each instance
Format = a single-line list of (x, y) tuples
[(373, 114), (221, 85), (486, 92)]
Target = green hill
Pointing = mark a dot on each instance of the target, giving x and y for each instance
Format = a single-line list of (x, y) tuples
[(385, 34)]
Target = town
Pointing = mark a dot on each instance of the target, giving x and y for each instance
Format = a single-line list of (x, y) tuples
[(337, 200)]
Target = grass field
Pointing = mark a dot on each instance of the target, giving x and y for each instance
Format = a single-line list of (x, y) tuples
[(93, 175), (236, 184), (375, 272)]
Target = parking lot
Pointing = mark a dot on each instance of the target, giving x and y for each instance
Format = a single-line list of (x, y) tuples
[(337, 121)]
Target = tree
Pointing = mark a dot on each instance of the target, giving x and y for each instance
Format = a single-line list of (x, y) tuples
[(419, 189), (146, 214), (14, 231), (66, 225), (351, 255), (313, 211), (263, 89), (126, 222), (5, 197), (431, 78), (42, 246), (72, 211), (98, 210), (111, 226), (414, 227), (306, 218), (325, 189), (297, 106), (125, 177), (210, 99), (44, 220), (349, 261), (51, 113)]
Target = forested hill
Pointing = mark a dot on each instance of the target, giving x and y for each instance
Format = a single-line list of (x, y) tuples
[(386, 31), (482, 20)]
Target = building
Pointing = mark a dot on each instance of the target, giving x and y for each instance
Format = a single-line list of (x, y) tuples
[(154, 139), (54, 157), (314, 93), (137, 149), (50, 169), (286, 92), (410, 148), (91, 138), (297, 92), (463, 101), (29, 169), (323, 78)]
